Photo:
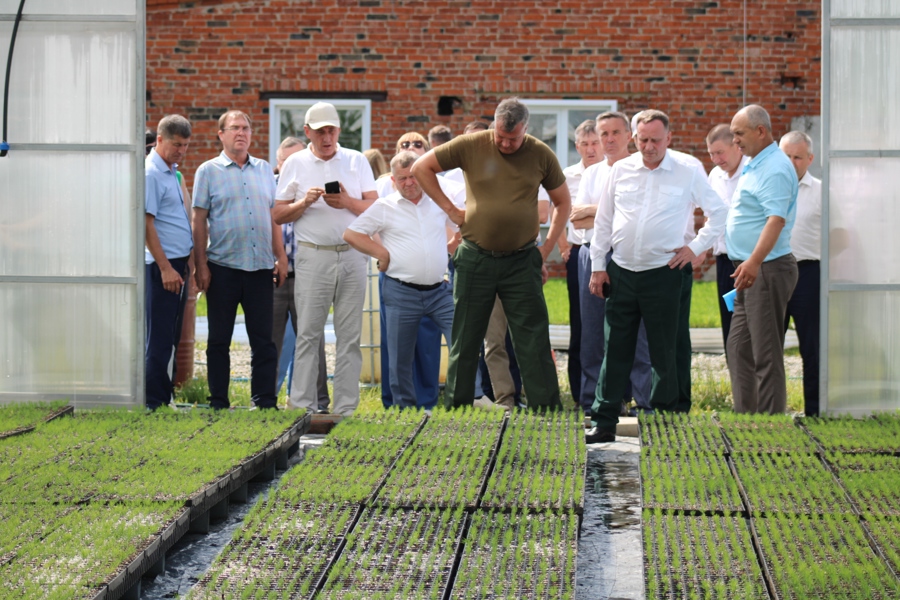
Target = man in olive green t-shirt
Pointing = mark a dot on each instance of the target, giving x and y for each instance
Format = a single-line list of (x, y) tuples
[(498, 256)]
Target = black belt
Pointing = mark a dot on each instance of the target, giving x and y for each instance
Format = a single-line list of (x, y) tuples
[(586, 244), (500, 253), (807, 261), (416, 286)]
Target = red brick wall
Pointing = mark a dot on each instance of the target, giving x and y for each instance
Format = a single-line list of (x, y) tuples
[(685, 57)]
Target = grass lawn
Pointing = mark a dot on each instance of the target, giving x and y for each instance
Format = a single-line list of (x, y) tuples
[(704, 303)]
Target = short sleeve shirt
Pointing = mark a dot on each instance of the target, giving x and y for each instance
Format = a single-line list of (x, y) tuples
[(163, 200), (501, 189), (239, 201), (767, 188), (321, 224)]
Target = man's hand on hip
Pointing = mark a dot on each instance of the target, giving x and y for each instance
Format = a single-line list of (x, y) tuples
[(683, 256)]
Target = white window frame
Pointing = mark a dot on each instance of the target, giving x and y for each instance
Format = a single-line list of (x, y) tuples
[(276, 105), (561, 109)]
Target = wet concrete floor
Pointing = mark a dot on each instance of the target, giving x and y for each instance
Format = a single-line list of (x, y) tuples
[(609, 550)]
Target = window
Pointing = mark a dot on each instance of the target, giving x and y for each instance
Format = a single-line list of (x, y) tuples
[(548, 117), (286, 119)]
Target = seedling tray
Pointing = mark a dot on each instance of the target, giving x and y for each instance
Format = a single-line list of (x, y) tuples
[(404, 554), (690, 483), (678, 434), (872, 481), (446, 466), (878, 435), (794, 484), (281, 549), (54, 414), (826, 557), (761, 434), (699, 557), (518, 556)]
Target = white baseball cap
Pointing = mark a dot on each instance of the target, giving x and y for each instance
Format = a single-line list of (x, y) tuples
[(322, 114)]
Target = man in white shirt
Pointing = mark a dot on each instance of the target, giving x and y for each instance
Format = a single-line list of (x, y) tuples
[(724, 178), (412, 253), (646, 201), (806, 241), (328, 271), (614, 132)]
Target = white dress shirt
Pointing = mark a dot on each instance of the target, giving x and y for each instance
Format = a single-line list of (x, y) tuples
[(642, 213), (573, 175), (806, 237), (321, 224), (415, 235), (592, 181), (725, 186)]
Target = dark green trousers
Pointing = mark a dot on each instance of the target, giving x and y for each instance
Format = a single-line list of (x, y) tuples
[(655, 296), (516, 278)]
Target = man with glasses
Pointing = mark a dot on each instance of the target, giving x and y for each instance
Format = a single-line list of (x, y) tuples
[(503, 168), (328, 271), (233, 203)]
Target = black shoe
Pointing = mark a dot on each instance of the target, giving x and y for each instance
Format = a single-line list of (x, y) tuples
[(322, 411), (598, 436)]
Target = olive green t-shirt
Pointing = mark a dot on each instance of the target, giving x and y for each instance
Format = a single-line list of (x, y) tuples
[(501, 189)]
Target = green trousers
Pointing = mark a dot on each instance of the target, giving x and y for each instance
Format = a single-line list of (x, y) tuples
[(655, 296), (516, 278)]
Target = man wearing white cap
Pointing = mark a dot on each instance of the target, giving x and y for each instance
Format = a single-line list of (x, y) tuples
[(328, 271)]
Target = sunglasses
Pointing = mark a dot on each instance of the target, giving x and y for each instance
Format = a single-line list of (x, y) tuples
[(416, 145)]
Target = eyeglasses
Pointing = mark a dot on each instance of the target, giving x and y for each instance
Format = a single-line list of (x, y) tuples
[(417, 145), (235, 129)]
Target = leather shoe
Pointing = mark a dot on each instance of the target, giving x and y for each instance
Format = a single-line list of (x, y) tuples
[(595, 435)]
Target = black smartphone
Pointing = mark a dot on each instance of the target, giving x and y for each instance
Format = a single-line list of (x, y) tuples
[(332, 187), (605, 289)]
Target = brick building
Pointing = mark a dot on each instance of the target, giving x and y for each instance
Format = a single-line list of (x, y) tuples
[(406, 63)]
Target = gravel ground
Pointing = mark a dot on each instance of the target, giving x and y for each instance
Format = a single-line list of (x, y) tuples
[(240, 362)]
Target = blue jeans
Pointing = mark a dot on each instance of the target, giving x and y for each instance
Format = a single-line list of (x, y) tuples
[(164, 312), (426, 362), (593, 315), (253, 291), (404, 308)]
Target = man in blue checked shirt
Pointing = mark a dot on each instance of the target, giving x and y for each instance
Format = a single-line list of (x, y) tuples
[(168, 251), (234, 194)]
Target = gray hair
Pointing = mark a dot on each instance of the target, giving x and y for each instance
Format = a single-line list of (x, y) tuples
[(614, 114), (720, 133), (171, 125), (403, 160), (586, 128), (510, 114), (797, 137), (757, 116), (288, 142)]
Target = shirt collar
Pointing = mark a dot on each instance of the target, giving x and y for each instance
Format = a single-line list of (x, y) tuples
[(807, 179), (226, 160), (665, 164), (763, 154), (337, 155), (160, 164)]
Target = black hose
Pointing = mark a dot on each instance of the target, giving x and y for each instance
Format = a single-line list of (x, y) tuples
[(4, 146)]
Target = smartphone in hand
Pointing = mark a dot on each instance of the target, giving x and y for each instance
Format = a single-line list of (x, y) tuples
[(332, 187)]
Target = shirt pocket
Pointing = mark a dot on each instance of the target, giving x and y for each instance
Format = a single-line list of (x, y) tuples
[(628, 195), (671, 192)]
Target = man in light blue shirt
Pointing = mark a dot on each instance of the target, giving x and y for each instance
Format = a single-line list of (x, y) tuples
[(758, 238), (234, 194), (167, 233)]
